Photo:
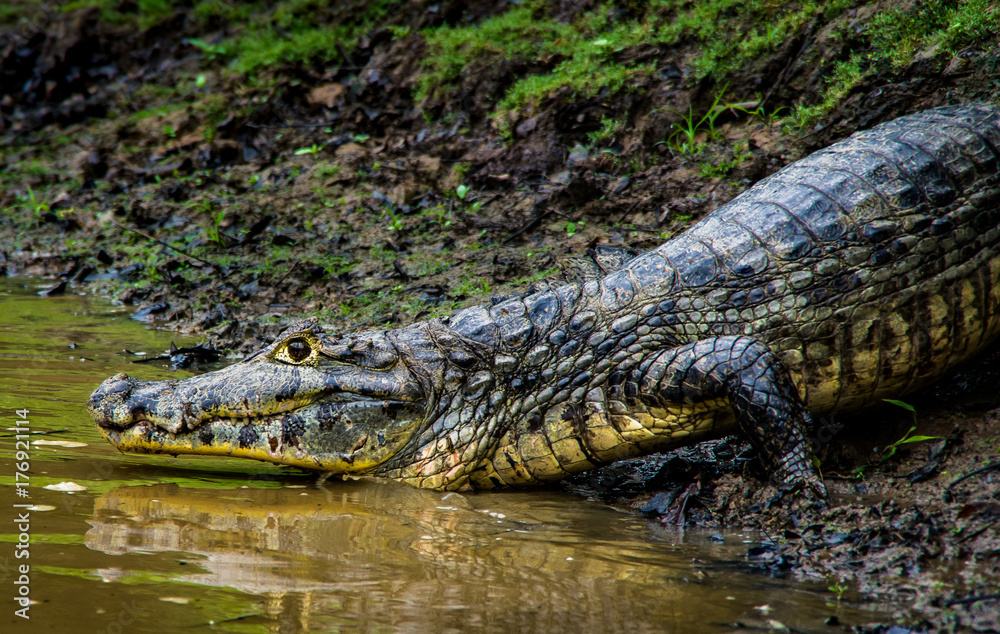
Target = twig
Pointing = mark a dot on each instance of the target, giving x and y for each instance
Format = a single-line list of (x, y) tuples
[(289, 125), (994, 465), (627, 212), (985, 597), (534, 222), (169, 246), (975, 534), (294, 266)]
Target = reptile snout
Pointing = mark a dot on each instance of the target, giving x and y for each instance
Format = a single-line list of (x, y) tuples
[(109, 404)]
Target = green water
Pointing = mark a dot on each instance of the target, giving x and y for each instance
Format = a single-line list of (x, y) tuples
[(160, 544)]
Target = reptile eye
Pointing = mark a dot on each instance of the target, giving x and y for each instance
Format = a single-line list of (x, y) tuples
[(298, 350)]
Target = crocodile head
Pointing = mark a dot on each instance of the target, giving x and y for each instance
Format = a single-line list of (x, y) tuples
[(343, 405)]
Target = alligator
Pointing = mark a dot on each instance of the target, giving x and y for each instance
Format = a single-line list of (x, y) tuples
[(863, 271)]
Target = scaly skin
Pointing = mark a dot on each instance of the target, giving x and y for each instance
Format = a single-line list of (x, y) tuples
[(864, 271)]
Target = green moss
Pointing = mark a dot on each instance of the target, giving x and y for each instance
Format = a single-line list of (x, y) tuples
[(583, 55), (291, 35), (843, 77), (894, 38), (971, 22), (898, 34), (578, 55), (728, 52)]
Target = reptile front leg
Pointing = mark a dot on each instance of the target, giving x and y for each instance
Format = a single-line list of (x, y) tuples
[(742, 374)]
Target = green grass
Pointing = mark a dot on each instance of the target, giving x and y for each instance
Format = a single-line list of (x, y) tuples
[(894, 38), (582, 55), (292, 34)]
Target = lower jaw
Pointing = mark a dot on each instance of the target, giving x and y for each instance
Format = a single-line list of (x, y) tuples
[(146, 438)]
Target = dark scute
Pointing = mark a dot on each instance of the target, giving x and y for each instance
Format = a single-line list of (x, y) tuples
[(205, 436), (475, 324), (617, 290), (939, 192), (247, 437), (696, 265), (569, 348), (942, 226), (752, 263), (291, 431), (535, 421), (462, 359), (510, 317), (881, 257), (543, 309), (652, 271)]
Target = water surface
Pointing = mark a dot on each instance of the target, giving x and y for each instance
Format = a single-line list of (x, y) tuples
[(161, 544)]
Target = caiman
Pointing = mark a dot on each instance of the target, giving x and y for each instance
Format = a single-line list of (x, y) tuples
[(861, 272)]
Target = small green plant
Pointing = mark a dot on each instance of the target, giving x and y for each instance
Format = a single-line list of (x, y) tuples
[(169, 130), (573, 227), (607, 132), (472, 287), (462, 191), (214, 230), (838, 589), (328, 169), (395, 221), (891, 450), (37, 206), (761, 113), (361, 138), (399, 32), (440, 214), (684, 138), (210, 51), (313, 149)]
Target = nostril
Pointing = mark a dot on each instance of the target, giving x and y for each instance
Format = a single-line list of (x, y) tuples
[(111, 394), (117, 386)]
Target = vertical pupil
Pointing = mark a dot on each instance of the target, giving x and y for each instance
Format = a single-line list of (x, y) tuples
[(298, 350)]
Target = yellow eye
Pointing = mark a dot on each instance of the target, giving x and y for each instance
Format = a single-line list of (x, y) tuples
[(298, 350)]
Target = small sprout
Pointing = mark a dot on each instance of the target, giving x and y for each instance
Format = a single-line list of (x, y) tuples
[(211, 51), (838, 589), (890, 451), (200, 81), (361, 138), (574, 227), (312, 149), (462, 191), (169, 131), (38, 207)]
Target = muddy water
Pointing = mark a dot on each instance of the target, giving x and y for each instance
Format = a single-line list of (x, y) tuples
[(159, 544)]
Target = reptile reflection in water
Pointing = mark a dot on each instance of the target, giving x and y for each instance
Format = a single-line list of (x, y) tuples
[(386, 554)]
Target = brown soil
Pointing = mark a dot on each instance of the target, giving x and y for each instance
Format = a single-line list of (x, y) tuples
[(368, 230)]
